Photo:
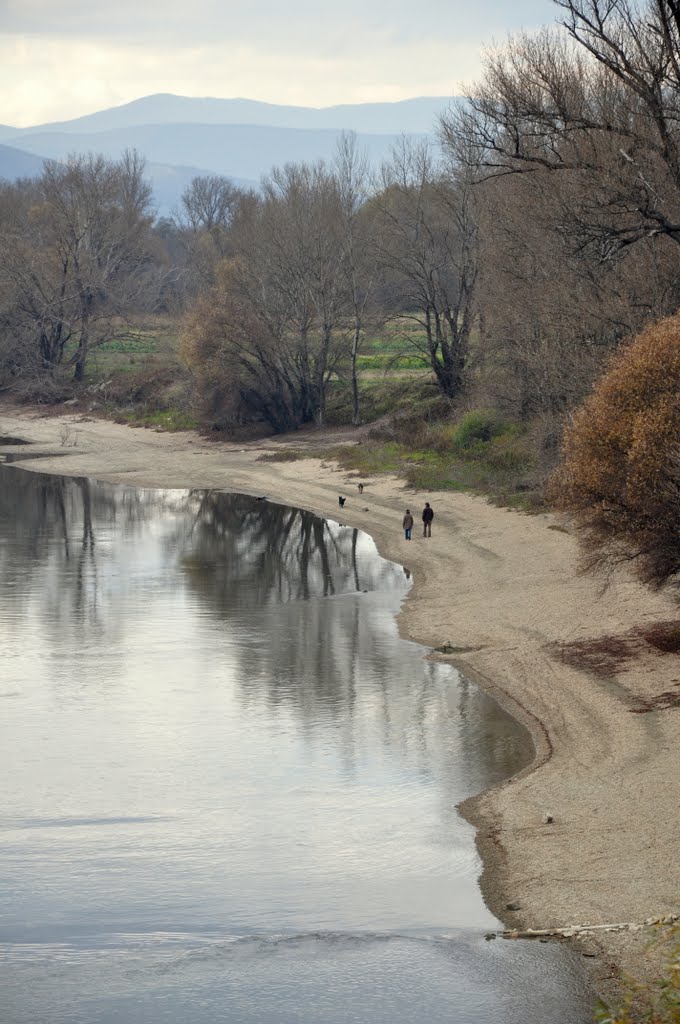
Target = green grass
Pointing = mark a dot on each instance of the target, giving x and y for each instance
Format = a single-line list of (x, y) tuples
[(479, 452), (369, 458), (141, 344), (158, 419), (447, 455), (391, 362), (285, 455), (150, 344)]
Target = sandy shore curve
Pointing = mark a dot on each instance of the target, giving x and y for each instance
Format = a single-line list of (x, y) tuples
[(501, 589)]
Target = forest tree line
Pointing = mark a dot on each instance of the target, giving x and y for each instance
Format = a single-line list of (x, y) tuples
[(538, 234)]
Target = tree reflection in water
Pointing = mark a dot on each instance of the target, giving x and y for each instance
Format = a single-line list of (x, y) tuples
[(310, 606), (252, 563), (278, 554), (61, 534)]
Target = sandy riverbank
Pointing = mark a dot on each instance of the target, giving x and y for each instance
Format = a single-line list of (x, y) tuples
[(503, 590)]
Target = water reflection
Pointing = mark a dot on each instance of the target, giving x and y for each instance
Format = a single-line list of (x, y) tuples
[(214, 740), (278, 554)]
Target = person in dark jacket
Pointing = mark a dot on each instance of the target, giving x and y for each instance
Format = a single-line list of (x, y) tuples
[(427, 517), (408, 524)]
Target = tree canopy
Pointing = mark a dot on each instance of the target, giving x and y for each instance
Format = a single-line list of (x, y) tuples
[(620, 476)]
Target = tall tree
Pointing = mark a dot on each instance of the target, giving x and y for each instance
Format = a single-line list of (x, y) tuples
[(570, 136), (80, 262), (599, 98), (357, 249), (428, 242), (208, 207), (291, 258)]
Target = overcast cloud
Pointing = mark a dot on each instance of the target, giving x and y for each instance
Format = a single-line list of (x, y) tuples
[(61, 60)]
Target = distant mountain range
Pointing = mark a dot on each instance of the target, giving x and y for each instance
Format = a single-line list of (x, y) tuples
[(410, 116), (15, 163), (181, 136)]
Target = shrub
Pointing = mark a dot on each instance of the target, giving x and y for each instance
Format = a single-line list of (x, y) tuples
[(477, 428), (619, 479)]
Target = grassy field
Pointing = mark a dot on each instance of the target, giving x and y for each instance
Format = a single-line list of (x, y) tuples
[(398, 347), (151, 343)]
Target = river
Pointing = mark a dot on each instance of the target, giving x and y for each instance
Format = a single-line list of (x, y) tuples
[(229, 786)]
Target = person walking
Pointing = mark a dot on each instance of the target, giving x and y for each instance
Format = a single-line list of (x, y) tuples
[(408, 524), (428, 516)]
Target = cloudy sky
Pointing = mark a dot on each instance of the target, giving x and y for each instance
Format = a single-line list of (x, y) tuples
[(60, 60)]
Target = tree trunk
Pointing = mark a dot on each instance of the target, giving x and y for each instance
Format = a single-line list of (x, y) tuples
[(355, 383), (320, 376), (81, 359), (84, 340)]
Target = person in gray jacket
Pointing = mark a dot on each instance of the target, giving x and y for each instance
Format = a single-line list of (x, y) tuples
[(407, 524)]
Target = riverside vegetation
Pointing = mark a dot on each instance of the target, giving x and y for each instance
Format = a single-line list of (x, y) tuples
[(462, 306)]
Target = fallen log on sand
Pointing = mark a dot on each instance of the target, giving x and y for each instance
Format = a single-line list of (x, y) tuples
[(583, 929)]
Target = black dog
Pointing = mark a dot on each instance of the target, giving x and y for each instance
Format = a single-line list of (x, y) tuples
[(341, 500)]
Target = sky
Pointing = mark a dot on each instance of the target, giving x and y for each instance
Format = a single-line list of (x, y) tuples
[(61, 60)]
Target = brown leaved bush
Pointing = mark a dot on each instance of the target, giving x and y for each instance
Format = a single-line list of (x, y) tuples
[(619, 477)]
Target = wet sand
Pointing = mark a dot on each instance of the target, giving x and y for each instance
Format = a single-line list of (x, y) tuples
[(502, 591)]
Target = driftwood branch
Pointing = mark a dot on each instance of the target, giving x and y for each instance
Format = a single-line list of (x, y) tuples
[(583, 929)]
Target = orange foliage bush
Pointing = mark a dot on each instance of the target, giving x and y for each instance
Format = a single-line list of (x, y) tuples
[(619, 478)]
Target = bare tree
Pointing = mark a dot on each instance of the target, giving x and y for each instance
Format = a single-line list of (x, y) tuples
[(244, 367), (358, 253), (78, 261), (571, 137), (428, 242), (209, 205), (550, 314), (295, 261), (600, 98), (285, 304)]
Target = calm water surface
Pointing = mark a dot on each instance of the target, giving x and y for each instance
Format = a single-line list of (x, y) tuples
[(229, 786)]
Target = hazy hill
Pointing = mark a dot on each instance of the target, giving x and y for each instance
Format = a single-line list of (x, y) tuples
[(181, 137), (168, 181), (15, 163), (239, 151), (413, 115)]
